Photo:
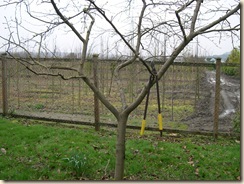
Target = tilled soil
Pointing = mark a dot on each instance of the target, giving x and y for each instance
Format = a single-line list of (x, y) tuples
[(203, 119)]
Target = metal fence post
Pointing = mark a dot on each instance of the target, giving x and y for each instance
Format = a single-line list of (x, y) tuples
[(96, 101), (4, 86), (217, 98)]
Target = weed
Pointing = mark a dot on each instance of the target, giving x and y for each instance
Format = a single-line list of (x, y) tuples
[(45, 96), (11, 111), (237, 122), (77, 162), (39, 106)]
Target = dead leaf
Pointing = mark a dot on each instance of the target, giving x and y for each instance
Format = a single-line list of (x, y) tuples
[(191, 158), (237, 141), (3, 151), (95, 147), (136, 151), (238, 178), (197, 171), (191, 163)]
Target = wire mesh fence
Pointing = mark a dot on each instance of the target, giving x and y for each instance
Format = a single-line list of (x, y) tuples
[(183, 91)]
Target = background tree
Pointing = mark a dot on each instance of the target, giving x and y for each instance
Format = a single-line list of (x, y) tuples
[(234, 57), (134, 29)]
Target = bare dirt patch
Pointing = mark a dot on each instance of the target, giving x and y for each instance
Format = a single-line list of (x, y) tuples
[(202, 120)]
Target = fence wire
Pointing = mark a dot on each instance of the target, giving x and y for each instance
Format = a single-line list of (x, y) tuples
[(183, 92)]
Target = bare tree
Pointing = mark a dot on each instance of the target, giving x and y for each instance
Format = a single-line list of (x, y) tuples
[(153, 21)]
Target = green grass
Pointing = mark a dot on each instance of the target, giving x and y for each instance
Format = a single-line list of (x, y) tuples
[(38, 106), (176, 125), (38, 150)]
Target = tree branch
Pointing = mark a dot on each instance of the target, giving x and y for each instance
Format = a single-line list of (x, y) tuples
[(10, 3), (118, 80), (179, 20), (66, 21), (194, 17), (221, 30), (139, 32), (120, 34), (209, 26), (101, 97), (85, 43), (180, 24)]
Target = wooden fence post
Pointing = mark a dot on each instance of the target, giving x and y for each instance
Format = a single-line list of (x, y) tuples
[(217, 98), (4, 86), (172, 94), (96, 101)]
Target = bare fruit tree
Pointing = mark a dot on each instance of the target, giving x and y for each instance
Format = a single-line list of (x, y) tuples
[(133, 28)]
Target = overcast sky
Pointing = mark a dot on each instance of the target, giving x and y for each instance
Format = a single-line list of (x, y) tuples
[(68, 42)]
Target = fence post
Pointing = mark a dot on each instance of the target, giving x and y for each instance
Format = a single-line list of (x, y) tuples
[(96, 101), (4, 86), (172, 94), (197, 86), (217, 98)]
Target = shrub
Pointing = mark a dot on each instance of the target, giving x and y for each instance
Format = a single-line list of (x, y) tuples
[(234, 57), (232, 71)]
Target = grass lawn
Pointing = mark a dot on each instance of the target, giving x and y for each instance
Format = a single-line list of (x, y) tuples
[(35, 150)]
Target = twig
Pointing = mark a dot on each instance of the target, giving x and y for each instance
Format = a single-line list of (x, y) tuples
[(105, 170)]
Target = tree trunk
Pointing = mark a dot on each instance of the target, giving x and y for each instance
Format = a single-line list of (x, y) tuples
[(120, 147)]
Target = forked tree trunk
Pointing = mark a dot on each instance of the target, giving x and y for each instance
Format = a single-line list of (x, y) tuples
[(120, 147)]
